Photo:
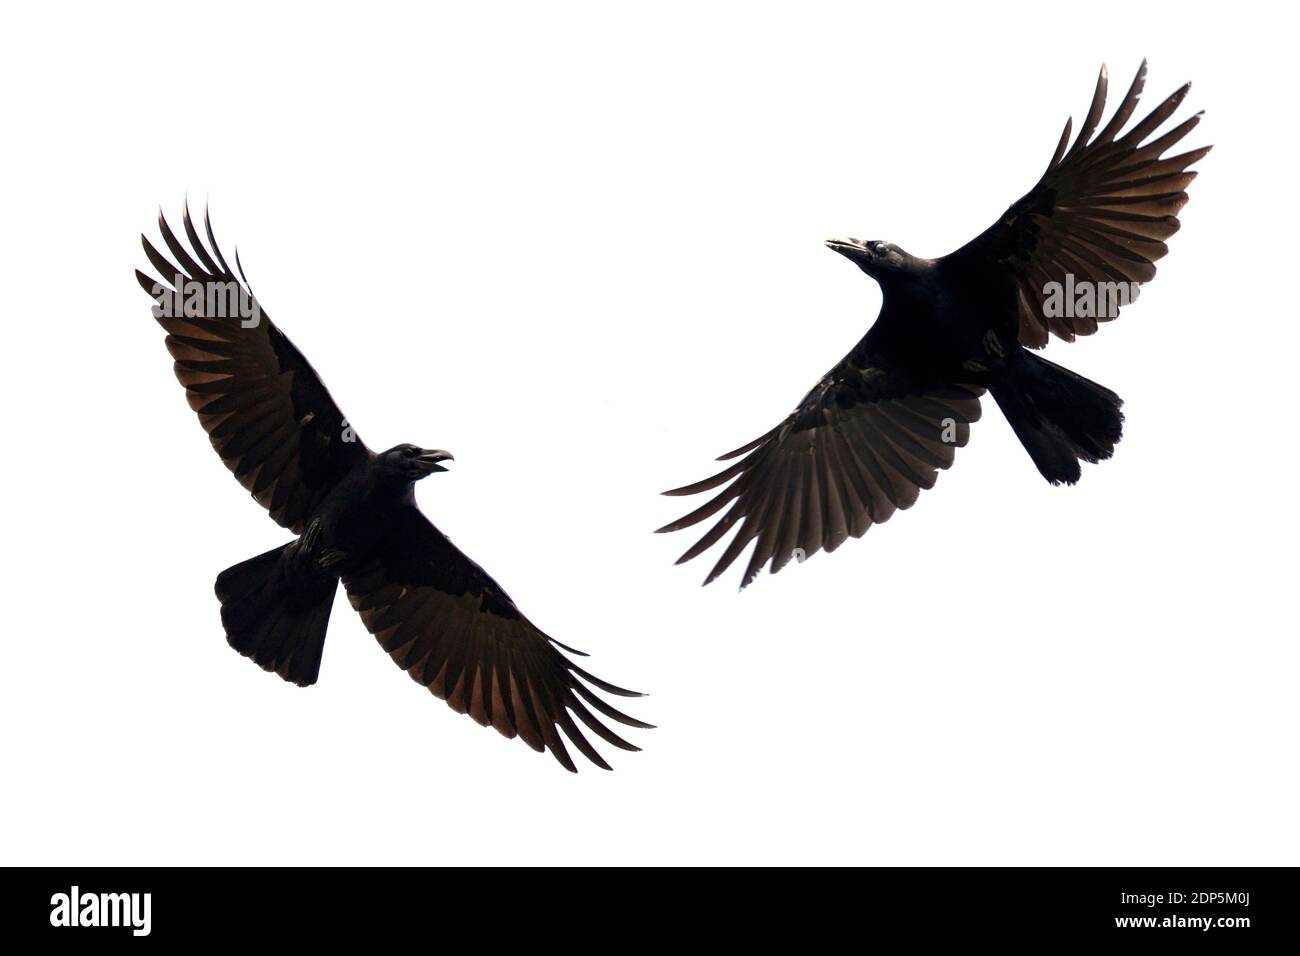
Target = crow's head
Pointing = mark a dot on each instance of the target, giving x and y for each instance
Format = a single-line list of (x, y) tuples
[(877, 259), (411, 463)]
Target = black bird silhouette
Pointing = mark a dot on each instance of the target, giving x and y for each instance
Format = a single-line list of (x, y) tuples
[(441, 617), (878, 427)]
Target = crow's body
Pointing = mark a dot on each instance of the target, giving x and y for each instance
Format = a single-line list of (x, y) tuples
[(440, 616), (880, 425), (937, 323)]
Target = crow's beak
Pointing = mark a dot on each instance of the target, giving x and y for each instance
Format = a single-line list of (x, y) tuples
[(854, 249), (429, 460)]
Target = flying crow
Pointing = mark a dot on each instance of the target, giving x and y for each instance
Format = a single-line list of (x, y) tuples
[(437, 613), (878, 427)]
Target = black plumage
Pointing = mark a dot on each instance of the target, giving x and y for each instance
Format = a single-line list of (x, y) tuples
[(881, 424), (440, 616)]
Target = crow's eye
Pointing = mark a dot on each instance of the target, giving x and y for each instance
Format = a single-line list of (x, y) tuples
[(881, 249), (409, 452)]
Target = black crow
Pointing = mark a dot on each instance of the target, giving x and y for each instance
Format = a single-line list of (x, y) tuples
[(441, 617), (878, 427)]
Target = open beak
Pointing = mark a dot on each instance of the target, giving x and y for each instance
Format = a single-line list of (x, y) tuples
[(429, 460), (854, 249)]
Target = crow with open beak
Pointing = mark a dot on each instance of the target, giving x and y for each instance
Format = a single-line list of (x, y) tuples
[(441, 617), (882, 423)]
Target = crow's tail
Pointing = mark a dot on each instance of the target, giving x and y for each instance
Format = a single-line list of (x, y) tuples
[(276, 612), (1060, 417)]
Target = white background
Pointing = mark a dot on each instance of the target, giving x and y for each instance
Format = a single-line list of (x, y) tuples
[(581, 247)]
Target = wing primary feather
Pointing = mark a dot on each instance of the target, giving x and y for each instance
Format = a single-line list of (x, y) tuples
[(147, 283), (216, 249), (604, 685), (571, 650), (192, 268), (712, 482), (714, 534), (1094, 114), (748, 447), (1126, 107), (706, 510), (597, 728), (549, 733), (584, 746), (1155, 117), (193, 235), (768, 502), (1060, 146), (248, 285), (734, 548), (168, 271), (609, 710)]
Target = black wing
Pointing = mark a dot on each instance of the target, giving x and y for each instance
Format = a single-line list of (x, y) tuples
[(860, 446), (454, 630), (266, 412), (1101, 212)]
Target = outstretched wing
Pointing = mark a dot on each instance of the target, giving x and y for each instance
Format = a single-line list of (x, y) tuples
[(266, 412), (860, 446), (1100, 213), (454, 630)]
